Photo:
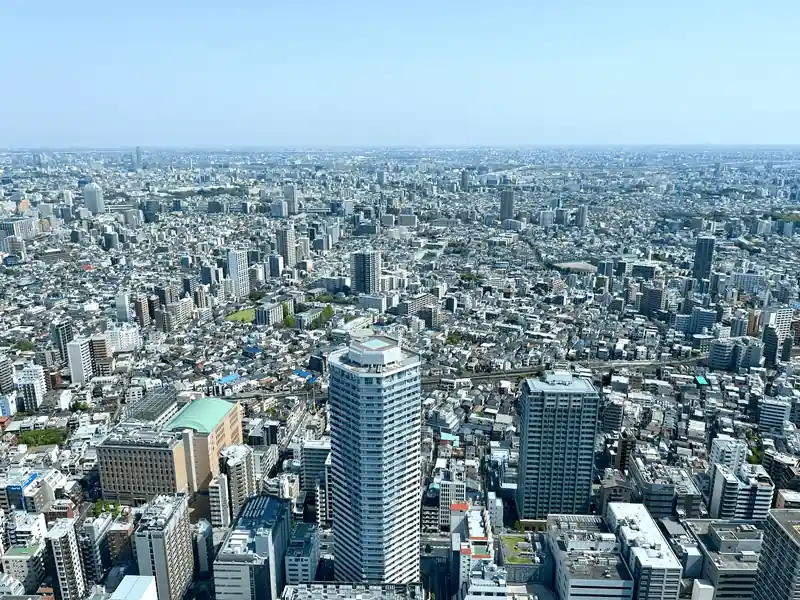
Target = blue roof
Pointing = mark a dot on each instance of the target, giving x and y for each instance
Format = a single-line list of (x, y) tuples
[(228, 378), (301, 373), (252, 349)]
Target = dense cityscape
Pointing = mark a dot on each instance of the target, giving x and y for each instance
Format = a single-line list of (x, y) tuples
[(400, 374)]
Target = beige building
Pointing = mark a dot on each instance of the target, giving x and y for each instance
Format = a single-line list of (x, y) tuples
[(138, 463), (207, 425)]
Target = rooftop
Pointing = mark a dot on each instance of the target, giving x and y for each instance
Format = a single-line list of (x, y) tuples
[(728, 544), (258, 515), (789, 520), (374, 355), (637, 529), (559, 382), (133, 587), (202, 415)]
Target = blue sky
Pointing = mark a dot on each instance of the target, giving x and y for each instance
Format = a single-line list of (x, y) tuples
[(435, 72)]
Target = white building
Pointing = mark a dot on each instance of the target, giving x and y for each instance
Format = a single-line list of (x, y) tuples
[(136, 587), (250, 562), (238, 464), (645, 552), (237, 271), (124, 338), (62, 542), (164, 550), (780, 318), (773, 413), (286, 246), (26, 563), (375, 411), (79, 357), (743, 494), (219, 501), (495, 507), (727, 451)]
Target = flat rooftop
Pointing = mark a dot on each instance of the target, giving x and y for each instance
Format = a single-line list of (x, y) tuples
[(560, 382), (258, 513), (789, 521), (740, 538), (637, 529), (375, 354)]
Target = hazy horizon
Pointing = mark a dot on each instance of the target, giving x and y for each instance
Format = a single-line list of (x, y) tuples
[(315, 75)]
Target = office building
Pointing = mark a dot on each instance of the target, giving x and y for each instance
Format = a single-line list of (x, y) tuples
[(163, 542), (302, 555), (136, 587), (507, 204), (123, 307), (250, 561), (730, 551), (138, 462), (290, 196), (62, 542), (275, 265), (703, 257), (238, 464), (664, 490), (32, 386), (324, 494), (587, 559), (375, 406), (365, 272), (313, 455), (582, 219), (207, 426), (93, 198), (237, 270), (556, 457), (79, 357), (778, 573), (656, 570), (347, 591), (286, 246)]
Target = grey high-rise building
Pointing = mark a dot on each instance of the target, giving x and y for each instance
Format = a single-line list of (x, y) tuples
[(375, 405), (62, 334), (464, 180), (507, 204), (778, 574), (365, 272), (582, 219), (7, 384), (556, 457), (287, 246), (703, 257), (93, 198)]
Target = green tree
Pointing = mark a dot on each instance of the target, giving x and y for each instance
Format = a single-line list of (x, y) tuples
[(288, 321), (285, 308), (42, 437), (25, 346)]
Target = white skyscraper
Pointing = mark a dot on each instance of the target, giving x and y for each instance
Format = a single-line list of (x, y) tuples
[(375, 404), (365, 272), (237, 270), (79, 357), (63, 544), (238, 463), (780, 318), (93, 198)]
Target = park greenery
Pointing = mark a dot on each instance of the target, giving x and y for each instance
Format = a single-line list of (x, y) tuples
[(43, 437)]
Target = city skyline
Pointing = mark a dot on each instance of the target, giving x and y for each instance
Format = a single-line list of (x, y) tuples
[(453, 75)]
